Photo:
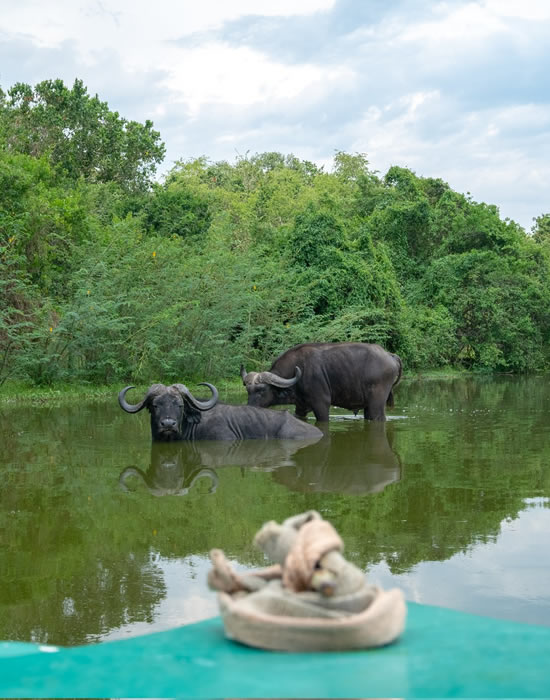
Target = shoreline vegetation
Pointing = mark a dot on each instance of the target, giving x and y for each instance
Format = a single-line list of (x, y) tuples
[(20, 392), (109, 277)]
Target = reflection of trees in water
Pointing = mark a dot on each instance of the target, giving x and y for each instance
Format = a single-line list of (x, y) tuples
[(402, 494), (68, 425), (64, 578), (62, 609), (76, 548), (429, 515), (472, 452), (503, 393), (78, 557)]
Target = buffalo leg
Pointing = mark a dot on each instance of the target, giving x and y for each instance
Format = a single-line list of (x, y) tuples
[(301, 410), (320, 408), (376, 407), (321, 412)]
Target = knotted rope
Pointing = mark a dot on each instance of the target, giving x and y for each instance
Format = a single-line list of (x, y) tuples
[(313, 540), (311, 599)]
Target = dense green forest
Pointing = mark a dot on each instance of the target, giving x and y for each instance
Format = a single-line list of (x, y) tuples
[(107, 275)]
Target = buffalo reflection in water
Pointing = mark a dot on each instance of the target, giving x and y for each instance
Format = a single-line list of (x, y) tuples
[(169, 472), (347, 461), (342, 461), (175, 467)]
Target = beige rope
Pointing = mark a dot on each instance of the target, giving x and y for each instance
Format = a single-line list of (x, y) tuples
[(313, 540), (222, 576), (312, 599)]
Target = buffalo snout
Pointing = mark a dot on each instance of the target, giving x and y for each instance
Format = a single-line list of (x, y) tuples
[(166, 421), (168, 424)]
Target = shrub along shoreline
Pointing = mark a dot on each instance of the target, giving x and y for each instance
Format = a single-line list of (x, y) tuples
[(17, 392)]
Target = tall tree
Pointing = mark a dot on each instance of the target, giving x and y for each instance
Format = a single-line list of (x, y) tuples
[(541, 228), (80, 135)]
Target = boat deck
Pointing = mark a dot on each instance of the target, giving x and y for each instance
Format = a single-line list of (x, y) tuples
[(443, 653)]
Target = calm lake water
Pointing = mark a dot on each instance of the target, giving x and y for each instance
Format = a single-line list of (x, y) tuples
[(103, 535)]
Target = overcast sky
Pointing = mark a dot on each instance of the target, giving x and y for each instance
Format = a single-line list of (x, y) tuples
[(458, 90)]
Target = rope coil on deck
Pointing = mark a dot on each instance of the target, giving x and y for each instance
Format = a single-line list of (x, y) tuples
[(311, 599)]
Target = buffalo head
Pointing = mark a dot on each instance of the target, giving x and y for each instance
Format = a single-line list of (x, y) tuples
[(267, 388), (173, 409)]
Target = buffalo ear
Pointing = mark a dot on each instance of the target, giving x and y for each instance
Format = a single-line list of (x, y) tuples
[(191, 414)]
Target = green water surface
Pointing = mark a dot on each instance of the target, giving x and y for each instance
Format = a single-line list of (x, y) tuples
[(103, 535)]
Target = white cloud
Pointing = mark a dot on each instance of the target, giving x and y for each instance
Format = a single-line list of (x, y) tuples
[(144, 35), (135, 23), (217, 73), (476, 21), (497, 154), (455, 90), (470, 22), (387, 132), (537, 10)]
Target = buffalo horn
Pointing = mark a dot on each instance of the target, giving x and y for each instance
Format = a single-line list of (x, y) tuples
[(201, 405), (276, 380), (130, 408)]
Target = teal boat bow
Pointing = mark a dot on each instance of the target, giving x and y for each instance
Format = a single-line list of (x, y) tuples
[(442, 653)]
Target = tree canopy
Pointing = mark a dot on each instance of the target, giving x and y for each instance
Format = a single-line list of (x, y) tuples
[(107, 275), (79, 135)]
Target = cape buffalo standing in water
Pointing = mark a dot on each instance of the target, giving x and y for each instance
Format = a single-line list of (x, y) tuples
[(177, 415), (315, 376)]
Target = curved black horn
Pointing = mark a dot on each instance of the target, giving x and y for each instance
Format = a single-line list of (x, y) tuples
[(280, 382), (130, 408), (243, 372), (201, 405)]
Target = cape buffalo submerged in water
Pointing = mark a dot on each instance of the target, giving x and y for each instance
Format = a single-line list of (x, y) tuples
[(315, 376), (177, 415)]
